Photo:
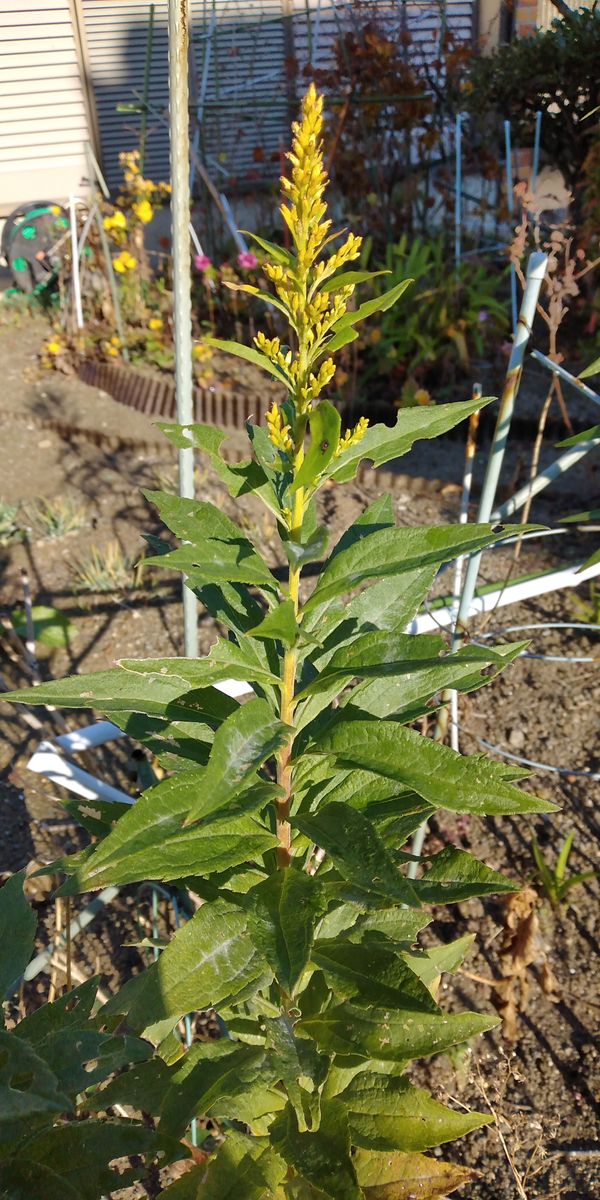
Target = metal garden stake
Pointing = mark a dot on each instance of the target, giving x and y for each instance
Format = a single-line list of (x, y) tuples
[(182, 275)]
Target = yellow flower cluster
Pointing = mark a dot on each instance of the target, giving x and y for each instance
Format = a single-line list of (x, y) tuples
[(117, 221), (124, 262), (202, 353), (134, 180), (352, 437), (279, 434), (144, 211), (112, 348)]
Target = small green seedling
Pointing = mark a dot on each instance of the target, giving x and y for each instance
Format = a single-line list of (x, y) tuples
[(554, 880)]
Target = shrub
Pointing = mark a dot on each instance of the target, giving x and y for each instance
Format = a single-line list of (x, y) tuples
[(286, 815)]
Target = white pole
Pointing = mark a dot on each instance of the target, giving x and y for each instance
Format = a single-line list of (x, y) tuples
[(76, 282), (182, 275)]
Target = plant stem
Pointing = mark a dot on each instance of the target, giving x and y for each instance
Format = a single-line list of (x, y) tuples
[(284, 770)]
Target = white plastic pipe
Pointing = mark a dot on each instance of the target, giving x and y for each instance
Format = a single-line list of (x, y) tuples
[(48, 762)]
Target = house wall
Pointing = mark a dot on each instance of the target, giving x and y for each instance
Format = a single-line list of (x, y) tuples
[(44, 120)]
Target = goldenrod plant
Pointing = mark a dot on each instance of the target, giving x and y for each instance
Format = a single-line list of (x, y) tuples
[(287, 815)]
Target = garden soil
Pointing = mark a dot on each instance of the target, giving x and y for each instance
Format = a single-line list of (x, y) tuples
[(539, 1076)]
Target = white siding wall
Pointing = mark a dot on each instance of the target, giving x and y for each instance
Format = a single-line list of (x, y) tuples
[(43, 124)]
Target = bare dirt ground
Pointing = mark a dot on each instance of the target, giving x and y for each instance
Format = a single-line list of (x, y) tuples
[(61, 438)]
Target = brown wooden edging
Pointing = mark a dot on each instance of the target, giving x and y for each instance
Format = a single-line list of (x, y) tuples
[(224, 408), (155, 396)]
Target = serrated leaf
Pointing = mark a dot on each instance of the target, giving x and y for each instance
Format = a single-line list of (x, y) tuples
[(242, 744), (150, 841), (356, 850), (438, 774), (215, 561), (408, 1176), (325, 423), (210, 962), (394, 551), (407, 696), (371, 973), (321, 1158), (454, 875), (396, 924), (282, 913), (385, 1112), (279, 624), (391, 1036), (381, 444), (17, 933), (28, 1086)]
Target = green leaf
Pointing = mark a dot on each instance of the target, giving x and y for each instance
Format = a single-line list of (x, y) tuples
[(244, 1168), (593, 369), (322, 1158), (391, 1036), (195, 520), (371, 973), (325, 424), (407, 696), (310, 549), (81, 1058), (52, 627), (438, 774), (282, 913), (394, 551), (369, 307), (217, 561), (279, 624), (242, 744), (334, 282), (299, 1067), (135, 689), (396, 924), (21, 1180), (150, 841), (28, 1086), (239, 478), (80, 1153), (356, 850), (210, 1073), (70, 1010), (210, 962), (17, 933), (430, 964), (381, 444), (408, 1176), (277, 253), (249, 354), (587, 435), (143, 1087), (455, 875), (385, 1112)]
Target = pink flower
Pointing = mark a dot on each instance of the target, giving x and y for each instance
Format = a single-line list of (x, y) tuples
[(202, 262), (247, 260)]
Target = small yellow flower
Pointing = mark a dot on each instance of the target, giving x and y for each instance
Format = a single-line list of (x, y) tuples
[(124, 262), (112, 350), (352, 437), (202, 353), (279, 434), (422, 396), (115, 341), (53, 347), (155, 323), (144, 211)]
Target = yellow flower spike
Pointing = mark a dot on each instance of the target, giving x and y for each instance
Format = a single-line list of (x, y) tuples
[(279, 434)]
